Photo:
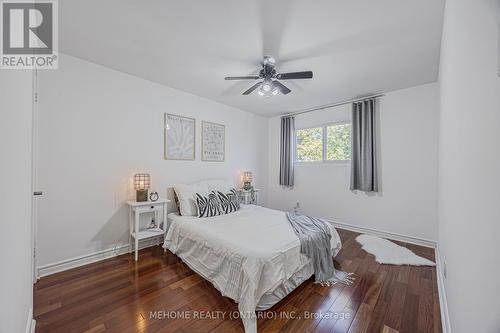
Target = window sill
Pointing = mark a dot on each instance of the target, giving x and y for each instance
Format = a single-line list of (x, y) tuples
[(311, 163)]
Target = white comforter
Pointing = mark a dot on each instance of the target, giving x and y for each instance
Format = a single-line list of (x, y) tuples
[(244, 254)]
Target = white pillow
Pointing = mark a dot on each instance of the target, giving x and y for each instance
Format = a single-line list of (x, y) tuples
[(186, 194), (221, 185)]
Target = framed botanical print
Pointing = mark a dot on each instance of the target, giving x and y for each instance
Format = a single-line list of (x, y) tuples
[(179, 137), (213, 142)]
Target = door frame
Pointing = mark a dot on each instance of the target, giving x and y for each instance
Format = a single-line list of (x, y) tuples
[(34, 175)]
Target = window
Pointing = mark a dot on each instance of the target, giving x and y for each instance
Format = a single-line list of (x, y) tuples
[(310, 144), (327, 143), (338, 142)]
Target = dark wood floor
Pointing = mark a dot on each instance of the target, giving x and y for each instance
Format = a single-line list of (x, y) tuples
[(119, 295)]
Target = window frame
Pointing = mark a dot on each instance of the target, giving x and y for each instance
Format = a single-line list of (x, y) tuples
[(324, 139)]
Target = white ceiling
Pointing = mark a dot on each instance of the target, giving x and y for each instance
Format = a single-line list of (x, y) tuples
[(354, 48)]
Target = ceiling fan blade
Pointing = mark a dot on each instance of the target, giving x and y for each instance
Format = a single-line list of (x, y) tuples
[(295, 75), (252, 77), (252, 88), (283, 89)]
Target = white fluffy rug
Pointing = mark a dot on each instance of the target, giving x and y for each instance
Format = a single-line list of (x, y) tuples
[(387, 252)]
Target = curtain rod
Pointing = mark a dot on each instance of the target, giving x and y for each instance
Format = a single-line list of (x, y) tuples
[(333, 105)]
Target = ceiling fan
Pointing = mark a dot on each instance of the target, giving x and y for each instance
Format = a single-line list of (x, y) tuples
[(270, 86)]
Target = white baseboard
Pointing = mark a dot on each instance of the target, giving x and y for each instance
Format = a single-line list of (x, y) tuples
[(386, 234), (30, 323), (89, 258), (443, 302)]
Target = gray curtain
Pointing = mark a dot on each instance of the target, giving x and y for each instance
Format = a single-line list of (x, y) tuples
[(364, 155), (287, 150)]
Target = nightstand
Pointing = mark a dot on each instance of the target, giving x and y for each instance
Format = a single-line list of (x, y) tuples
[(248, 197), (159, 208)]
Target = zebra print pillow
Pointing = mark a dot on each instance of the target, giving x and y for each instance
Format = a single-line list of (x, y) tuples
[(208, 205), (229, 202)]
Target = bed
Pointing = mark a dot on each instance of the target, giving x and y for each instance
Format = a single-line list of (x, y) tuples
[(251, 256)]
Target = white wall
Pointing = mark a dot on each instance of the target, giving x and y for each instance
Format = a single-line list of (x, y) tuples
[(469, 199), (407, 202), (15, 200), (97, 128)]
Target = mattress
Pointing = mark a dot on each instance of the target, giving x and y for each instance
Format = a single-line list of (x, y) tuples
[(251, 256)]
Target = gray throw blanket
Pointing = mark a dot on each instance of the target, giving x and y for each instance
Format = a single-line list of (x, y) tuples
[(314, 235)]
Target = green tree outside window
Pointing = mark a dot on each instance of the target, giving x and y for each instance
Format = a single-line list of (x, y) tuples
[(310, 144), (338, 142), (330, 142)]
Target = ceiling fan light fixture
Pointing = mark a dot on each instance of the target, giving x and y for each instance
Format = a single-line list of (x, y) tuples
[(270, 86), (268, 89)]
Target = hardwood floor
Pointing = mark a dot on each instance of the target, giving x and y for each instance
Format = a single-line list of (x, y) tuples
[(120, 295)]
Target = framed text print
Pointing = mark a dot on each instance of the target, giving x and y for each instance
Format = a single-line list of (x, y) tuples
[(179, 137), (213, 141)]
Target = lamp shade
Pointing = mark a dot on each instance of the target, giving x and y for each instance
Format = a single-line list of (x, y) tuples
[(246, 177), (142, 181)]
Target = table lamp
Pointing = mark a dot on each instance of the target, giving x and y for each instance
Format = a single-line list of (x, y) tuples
[(247, 180), (142, 182)]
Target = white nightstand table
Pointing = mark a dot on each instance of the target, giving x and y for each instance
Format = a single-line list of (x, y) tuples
[(248, 197), (135, 210)]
